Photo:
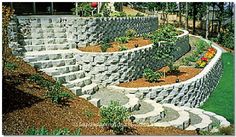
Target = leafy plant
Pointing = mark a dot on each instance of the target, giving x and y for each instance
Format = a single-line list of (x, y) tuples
[(105, 44), (40, 81), (185, 62), (228, 40), (173, 69), (165, 33), (113, 117), (10, 66), (122, 40), (88, 113), (130, 33), (84, 9), (44, 131), (192, 58), (151, 76), (226, 130), (57, 95), (122, 48), (147, 36)]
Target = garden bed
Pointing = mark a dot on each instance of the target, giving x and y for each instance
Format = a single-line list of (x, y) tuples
[(115, 45), (185, 74)]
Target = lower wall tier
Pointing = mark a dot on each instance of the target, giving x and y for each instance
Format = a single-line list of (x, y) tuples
[(193, 92)]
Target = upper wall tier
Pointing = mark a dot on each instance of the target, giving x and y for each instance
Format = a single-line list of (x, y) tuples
[(91, 30)]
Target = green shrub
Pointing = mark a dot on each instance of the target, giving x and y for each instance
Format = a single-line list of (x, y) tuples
[(122, 48), (57, 95), (226, 130), (105, 44), (40, 81), (191, 58), (130, 33), (122, 40), (185, 62), (173, 69), (113, 117), (147, 36), (10, 66), (151, 76), (44, 131), (228, 40), (165, 33), (40, 131)]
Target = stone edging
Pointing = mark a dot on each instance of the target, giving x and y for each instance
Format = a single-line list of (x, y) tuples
[(192, 92)]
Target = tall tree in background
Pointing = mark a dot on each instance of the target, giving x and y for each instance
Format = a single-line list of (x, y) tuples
[(186, 16), (194, 16), (213, 17), (180, 17), (207, 21), (221, 7)]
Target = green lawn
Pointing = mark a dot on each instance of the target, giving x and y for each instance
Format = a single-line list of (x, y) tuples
[(221, 100)]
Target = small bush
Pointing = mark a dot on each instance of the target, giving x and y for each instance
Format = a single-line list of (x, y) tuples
[(105, 44), (122, 48), (152, 76), (40, 81), (130, 33), (57, 95), (10, 66), (122, 40), (228, 40), (226, 130), (173, 69), (191, 58), (113, 117), (185, 62), (44, 131), (147, 36)]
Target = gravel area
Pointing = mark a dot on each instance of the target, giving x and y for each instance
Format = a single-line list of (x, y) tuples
[(144, 108), (108, 95), (170, 115), (195, 119)]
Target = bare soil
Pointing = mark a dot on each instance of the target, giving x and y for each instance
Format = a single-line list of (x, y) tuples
[(185, 74), (115, 45)]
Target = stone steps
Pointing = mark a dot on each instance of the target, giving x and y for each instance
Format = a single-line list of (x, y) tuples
[(150, 117), (80, 82), (46, 47), (53, 63), (61, 70), (49, 55), (133, 103), (70, 76)]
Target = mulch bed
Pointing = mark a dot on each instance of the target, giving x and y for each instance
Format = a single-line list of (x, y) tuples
[(115, 45), (25, 106), (185, 74)]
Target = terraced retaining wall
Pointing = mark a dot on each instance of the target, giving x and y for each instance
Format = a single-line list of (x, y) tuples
[(193, 92), (82, 30), (115, 67)]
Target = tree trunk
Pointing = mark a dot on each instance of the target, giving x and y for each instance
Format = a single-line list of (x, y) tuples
[(212, 19), (221, 6), (194, 17), (207, 22), (186, 10), (180, 17), (167, 12)]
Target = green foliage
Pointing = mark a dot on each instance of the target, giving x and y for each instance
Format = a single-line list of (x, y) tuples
[(44, 131), (151, 76), (192, 58), (40, 81), (113, 116), (84, 9), (105, 44), (122, 40), (40, 131), (226, 130), (201, 45), (130, 33), (122, 48), (57, 95), (228, 40), (147, 36), (165, 33), (173, 69), (88, 113), (10, 66)]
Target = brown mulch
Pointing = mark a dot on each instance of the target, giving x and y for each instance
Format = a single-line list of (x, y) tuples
[(185, 74), (25, 106), (115, 45)]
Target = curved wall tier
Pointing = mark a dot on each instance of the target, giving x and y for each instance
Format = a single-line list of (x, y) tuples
[(193, 92), (115, 67)]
